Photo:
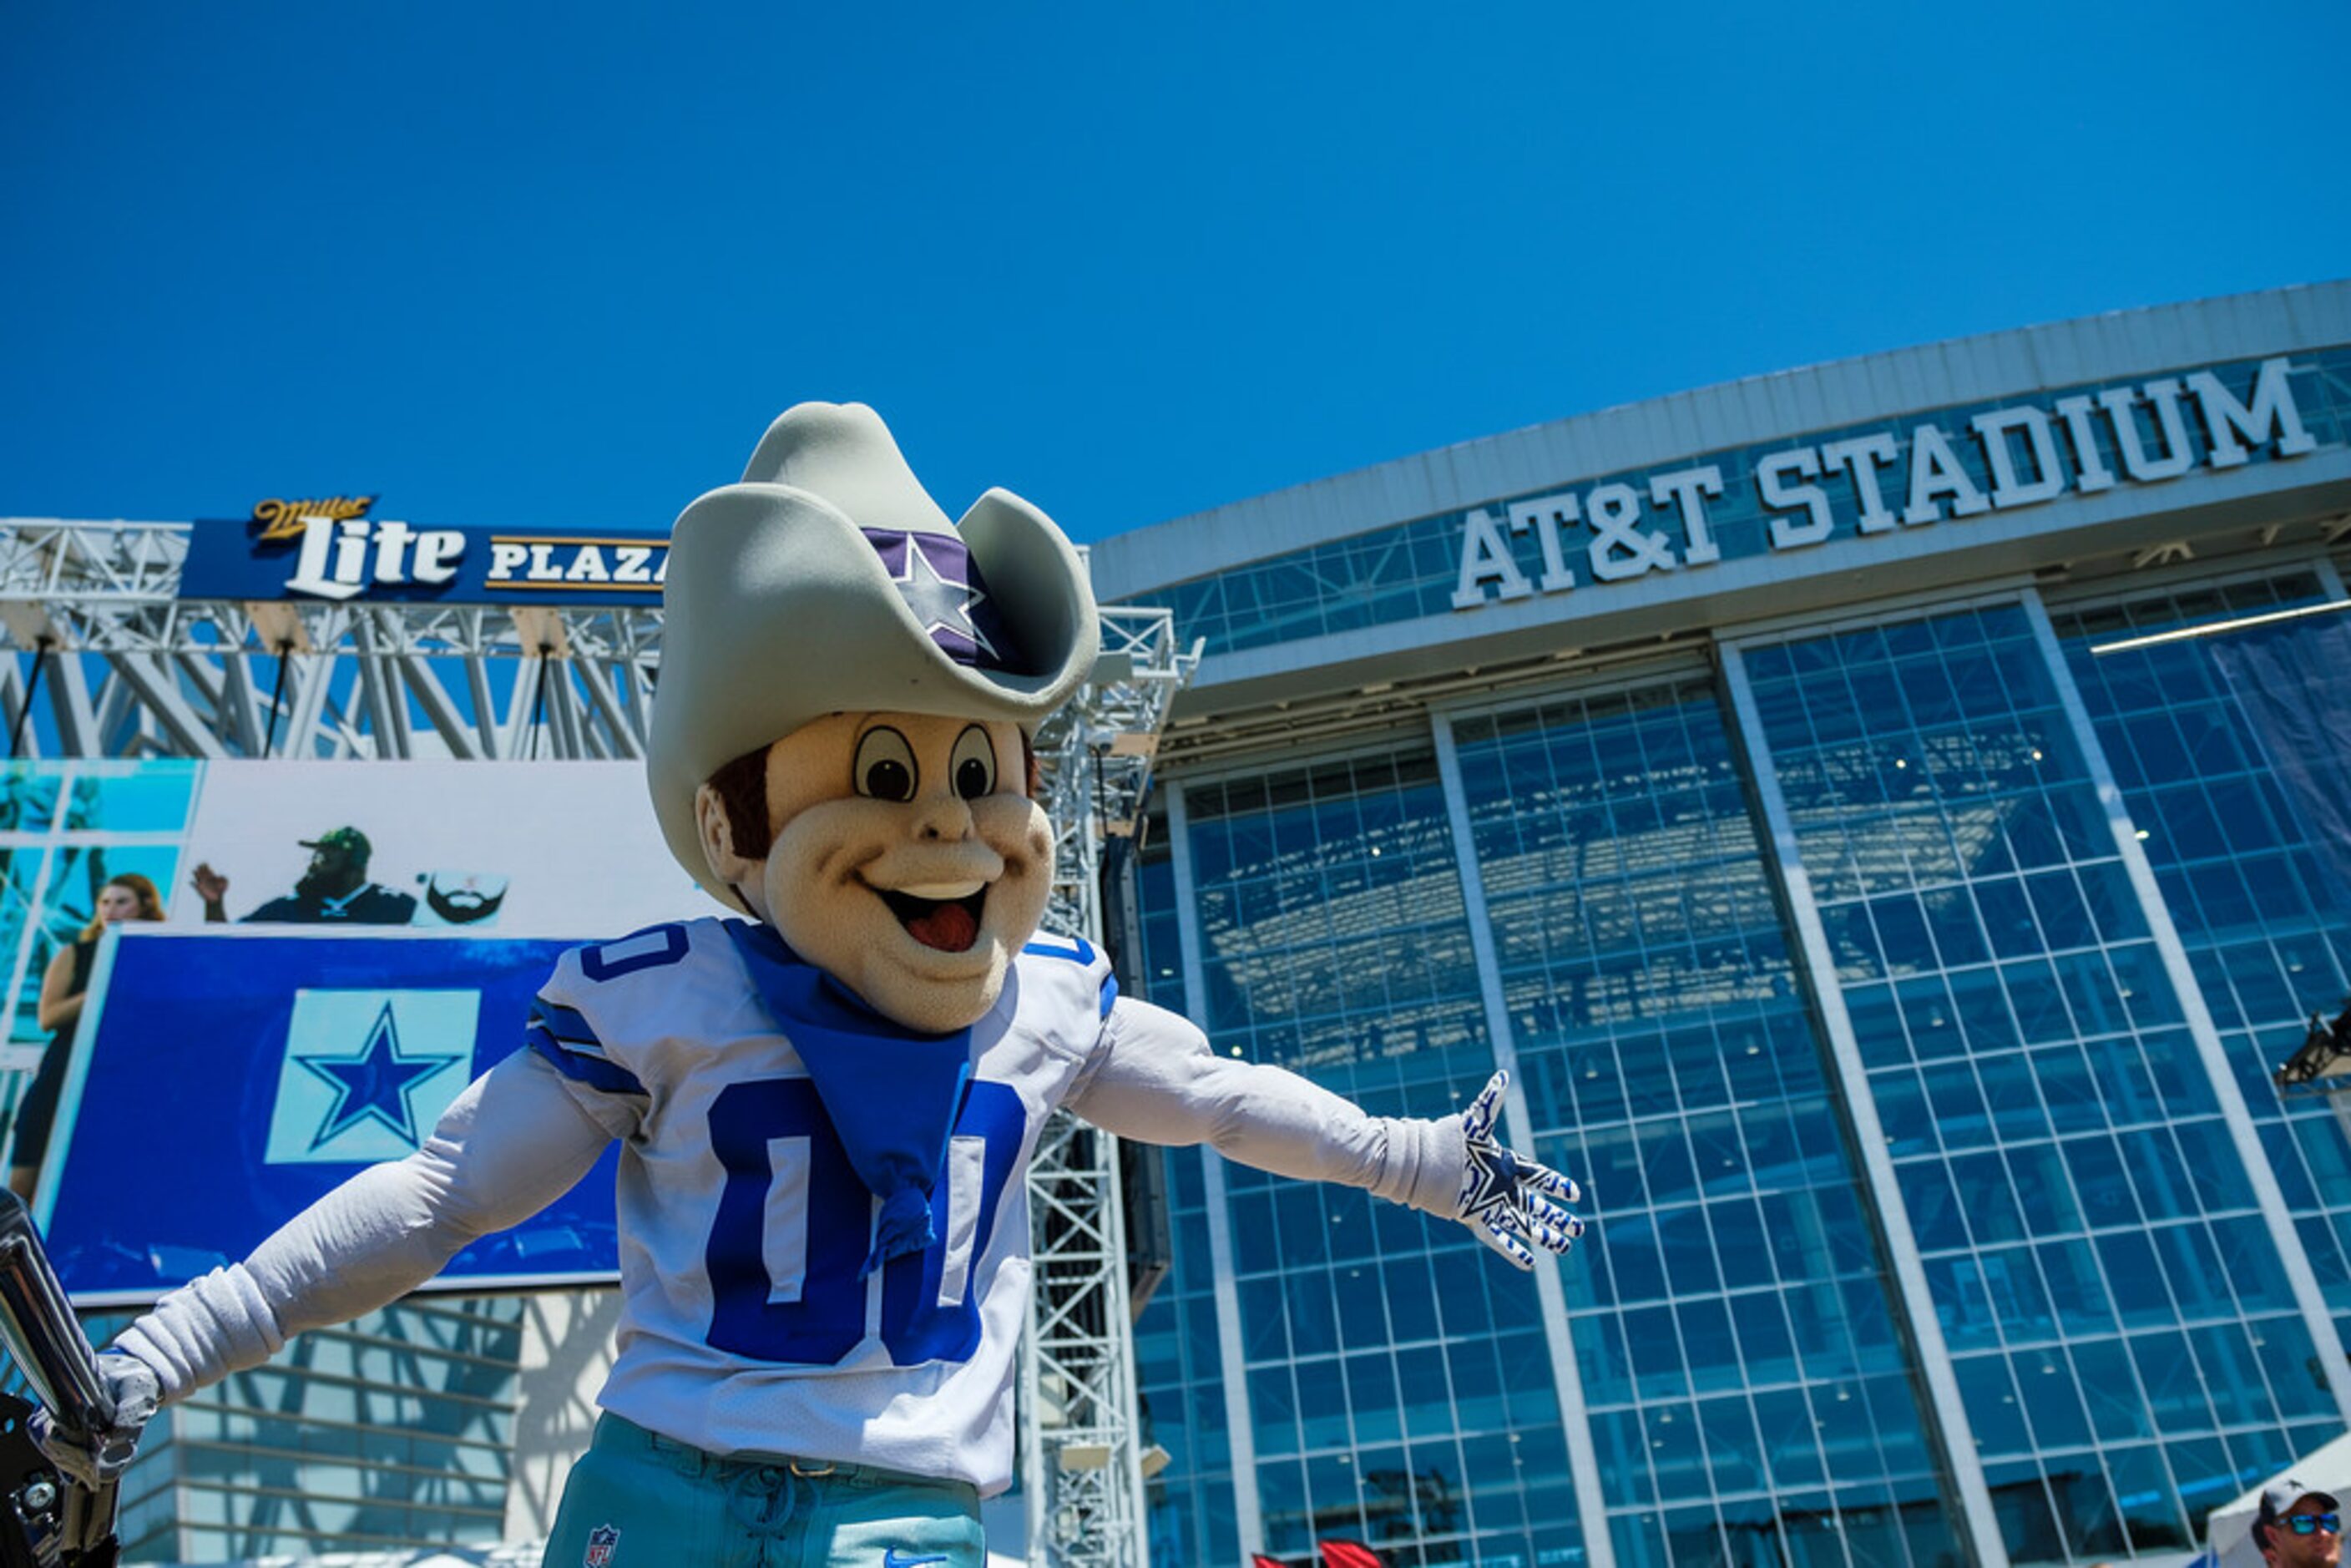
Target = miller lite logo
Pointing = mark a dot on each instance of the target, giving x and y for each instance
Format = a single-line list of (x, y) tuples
[(342, 551), (333, 547), (282, 520), (603, 1545)]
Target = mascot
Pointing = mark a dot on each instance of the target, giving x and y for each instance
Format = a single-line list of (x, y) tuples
[(827, 1108)]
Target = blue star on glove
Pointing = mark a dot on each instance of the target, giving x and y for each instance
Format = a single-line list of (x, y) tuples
[(1507, 1198)]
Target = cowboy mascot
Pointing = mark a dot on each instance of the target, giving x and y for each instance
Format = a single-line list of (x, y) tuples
[(828, 1101)]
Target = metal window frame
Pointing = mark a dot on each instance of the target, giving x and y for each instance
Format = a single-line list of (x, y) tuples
[(1241, 1432), (1951, 1437), (1567, 1378), (2268, 1196)]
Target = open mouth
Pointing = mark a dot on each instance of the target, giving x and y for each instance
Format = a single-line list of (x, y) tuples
[(942, 916)]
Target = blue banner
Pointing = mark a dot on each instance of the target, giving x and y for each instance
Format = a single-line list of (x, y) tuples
[(336, 560), (224, 1081)]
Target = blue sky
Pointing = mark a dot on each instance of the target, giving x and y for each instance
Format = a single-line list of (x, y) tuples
[(511, 264)]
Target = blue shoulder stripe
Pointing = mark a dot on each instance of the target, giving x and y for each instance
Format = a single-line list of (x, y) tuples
[(593, 1071), (1109, 993), (566, 1024), (1079, 951)]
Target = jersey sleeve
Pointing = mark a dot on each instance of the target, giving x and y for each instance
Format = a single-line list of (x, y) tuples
[(1154, 1079), (571, 1020), (1067, 994)]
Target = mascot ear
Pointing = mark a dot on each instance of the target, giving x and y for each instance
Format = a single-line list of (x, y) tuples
[(716, 832)]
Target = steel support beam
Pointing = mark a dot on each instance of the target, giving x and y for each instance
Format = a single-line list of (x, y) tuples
[(1083, 1436)]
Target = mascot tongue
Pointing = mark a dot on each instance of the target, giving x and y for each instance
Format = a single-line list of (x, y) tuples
[(948, 927)]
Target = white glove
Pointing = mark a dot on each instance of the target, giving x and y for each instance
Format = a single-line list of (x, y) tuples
[(1506, 1198), (95, 1458)]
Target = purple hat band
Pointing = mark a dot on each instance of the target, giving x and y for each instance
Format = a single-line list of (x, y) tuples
[(940, 582)]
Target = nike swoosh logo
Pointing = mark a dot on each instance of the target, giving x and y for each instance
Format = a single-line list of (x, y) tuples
[(889, 1559)]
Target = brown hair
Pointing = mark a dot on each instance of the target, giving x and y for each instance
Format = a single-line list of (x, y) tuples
[(742, 789), (151, 902)]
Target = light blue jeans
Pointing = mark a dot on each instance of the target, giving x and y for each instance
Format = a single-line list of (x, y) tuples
[(637, 1500)]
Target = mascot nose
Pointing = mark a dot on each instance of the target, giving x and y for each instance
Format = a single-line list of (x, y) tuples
[(943, 816)]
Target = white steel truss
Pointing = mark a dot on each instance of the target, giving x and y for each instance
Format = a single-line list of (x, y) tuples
[(109, 663), (1081, 1450), (120, 668)]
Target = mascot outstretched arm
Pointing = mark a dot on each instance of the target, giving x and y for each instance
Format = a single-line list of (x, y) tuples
[(828, 1105)]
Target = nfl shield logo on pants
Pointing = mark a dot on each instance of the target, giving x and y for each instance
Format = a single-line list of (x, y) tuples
[(603, 1544)]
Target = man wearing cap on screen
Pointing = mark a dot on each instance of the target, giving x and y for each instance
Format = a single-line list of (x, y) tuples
[(334, 890), (2298, 1526)]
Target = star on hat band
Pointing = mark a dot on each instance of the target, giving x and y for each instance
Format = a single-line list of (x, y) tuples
[(936, 577)]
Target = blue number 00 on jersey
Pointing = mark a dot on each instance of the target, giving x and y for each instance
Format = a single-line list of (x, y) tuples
[(795, 1224)]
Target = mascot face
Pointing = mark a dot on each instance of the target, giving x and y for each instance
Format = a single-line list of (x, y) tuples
[(908, 861)]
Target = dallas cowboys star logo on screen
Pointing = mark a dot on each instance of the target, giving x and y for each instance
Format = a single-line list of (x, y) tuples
[(368, 1073)]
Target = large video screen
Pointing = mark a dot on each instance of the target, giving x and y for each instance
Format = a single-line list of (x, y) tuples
[(346, 946), (228, 1080)]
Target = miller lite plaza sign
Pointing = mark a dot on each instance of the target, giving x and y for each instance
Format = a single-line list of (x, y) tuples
[(1875, 481), (329, 549)]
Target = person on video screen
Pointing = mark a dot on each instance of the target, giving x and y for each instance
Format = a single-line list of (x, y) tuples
[(334, 890)]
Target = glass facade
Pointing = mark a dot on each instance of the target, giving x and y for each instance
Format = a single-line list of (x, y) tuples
[(1739, 1354), (2097, 1264), (1395, 1373), (2041, 916), (2266, 927), (1178, 1363)]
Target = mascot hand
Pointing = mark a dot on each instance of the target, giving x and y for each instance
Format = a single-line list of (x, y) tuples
[(94, 1458), (1507, 1198)]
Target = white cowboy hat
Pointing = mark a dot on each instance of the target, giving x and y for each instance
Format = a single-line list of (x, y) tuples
[(827, 580)]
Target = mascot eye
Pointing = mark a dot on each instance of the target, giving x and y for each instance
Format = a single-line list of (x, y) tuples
[(973, 766), (884, 768)]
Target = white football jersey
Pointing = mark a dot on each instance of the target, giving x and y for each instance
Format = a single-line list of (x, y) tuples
[(743, 1227)]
